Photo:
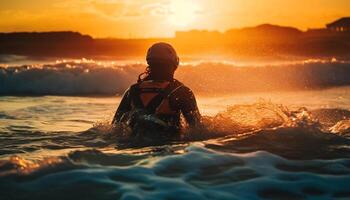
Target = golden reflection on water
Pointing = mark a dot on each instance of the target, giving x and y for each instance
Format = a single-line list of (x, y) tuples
[(23, 166), (74, 114)]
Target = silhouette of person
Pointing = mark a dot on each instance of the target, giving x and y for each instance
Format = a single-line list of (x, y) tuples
[(159, 95)]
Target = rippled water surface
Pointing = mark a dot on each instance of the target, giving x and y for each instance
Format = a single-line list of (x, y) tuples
[(257, 145), (253, 149)]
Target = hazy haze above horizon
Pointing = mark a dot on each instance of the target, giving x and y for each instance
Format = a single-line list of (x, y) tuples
[(161, 18)]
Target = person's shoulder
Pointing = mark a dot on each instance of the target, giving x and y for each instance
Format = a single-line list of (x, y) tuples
[(130, 88), (182, 88), (134, 85)]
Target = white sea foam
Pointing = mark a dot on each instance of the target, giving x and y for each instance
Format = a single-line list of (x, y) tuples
[(248, 156), (88, 77)]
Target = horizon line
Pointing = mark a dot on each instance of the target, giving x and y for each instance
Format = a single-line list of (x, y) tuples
[(174, 34)]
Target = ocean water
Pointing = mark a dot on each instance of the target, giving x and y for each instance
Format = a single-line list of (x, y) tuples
[(287, 138)]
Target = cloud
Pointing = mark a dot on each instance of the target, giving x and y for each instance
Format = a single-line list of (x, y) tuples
[(116, 9), (156, 9)]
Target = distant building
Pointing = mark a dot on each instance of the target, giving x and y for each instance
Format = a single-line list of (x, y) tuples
[(341, 25)]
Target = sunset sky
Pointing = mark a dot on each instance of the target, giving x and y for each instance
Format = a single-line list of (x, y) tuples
[(161, 18)]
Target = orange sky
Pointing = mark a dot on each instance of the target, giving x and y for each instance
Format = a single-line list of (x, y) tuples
[(160, 18)]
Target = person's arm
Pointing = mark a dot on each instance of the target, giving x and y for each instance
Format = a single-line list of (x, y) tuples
[(124, 106), (187, 103)]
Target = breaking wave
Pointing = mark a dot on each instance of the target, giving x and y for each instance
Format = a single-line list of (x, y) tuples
[(88, 77)]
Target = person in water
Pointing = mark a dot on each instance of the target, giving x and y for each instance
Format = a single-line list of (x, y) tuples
[(157, 100)]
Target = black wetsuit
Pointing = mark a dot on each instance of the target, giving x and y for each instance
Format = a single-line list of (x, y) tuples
[(181, 100)]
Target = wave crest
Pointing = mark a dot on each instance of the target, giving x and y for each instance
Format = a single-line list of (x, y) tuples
[(87, 77)]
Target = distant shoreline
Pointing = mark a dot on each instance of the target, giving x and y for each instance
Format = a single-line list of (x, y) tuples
[(256, 42)]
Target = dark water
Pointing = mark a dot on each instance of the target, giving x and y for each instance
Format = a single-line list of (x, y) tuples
[(258, 145), (252, 151)]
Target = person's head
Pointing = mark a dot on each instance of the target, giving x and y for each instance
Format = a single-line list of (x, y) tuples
[(162, 61)]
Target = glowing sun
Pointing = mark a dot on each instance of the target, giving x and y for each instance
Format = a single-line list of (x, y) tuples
[(183, 12)]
